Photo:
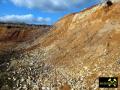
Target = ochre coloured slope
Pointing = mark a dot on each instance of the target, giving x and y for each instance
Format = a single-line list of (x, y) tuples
[(86, 44)]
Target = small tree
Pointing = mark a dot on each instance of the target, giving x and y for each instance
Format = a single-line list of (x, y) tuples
[(109, 3)]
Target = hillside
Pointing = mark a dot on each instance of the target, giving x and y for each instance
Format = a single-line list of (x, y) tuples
[(85, 45), (79, 49)]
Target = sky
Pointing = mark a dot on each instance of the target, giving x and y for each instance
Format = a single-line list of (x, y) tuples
[(40, 11)]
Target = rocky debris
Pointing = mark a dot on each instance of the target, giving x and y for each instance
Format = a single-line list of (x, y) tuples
[(28, 73)]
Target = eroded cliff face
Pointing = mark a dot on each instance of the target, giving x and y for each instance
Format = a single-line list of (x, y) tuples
[(19, 36), (79, 49)]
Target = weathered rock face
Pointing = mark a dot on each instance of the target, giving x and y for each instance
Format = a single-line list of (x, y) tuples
[(80, 48)]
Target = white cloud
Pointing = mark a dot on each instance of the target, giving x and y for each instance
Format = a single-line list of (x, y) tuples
[(50, 5), (29, 18)]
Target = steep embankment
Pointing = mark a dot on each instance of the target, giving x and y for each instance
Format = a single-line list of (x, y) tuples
[(86, 45), (80, 48), (93, 32)]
